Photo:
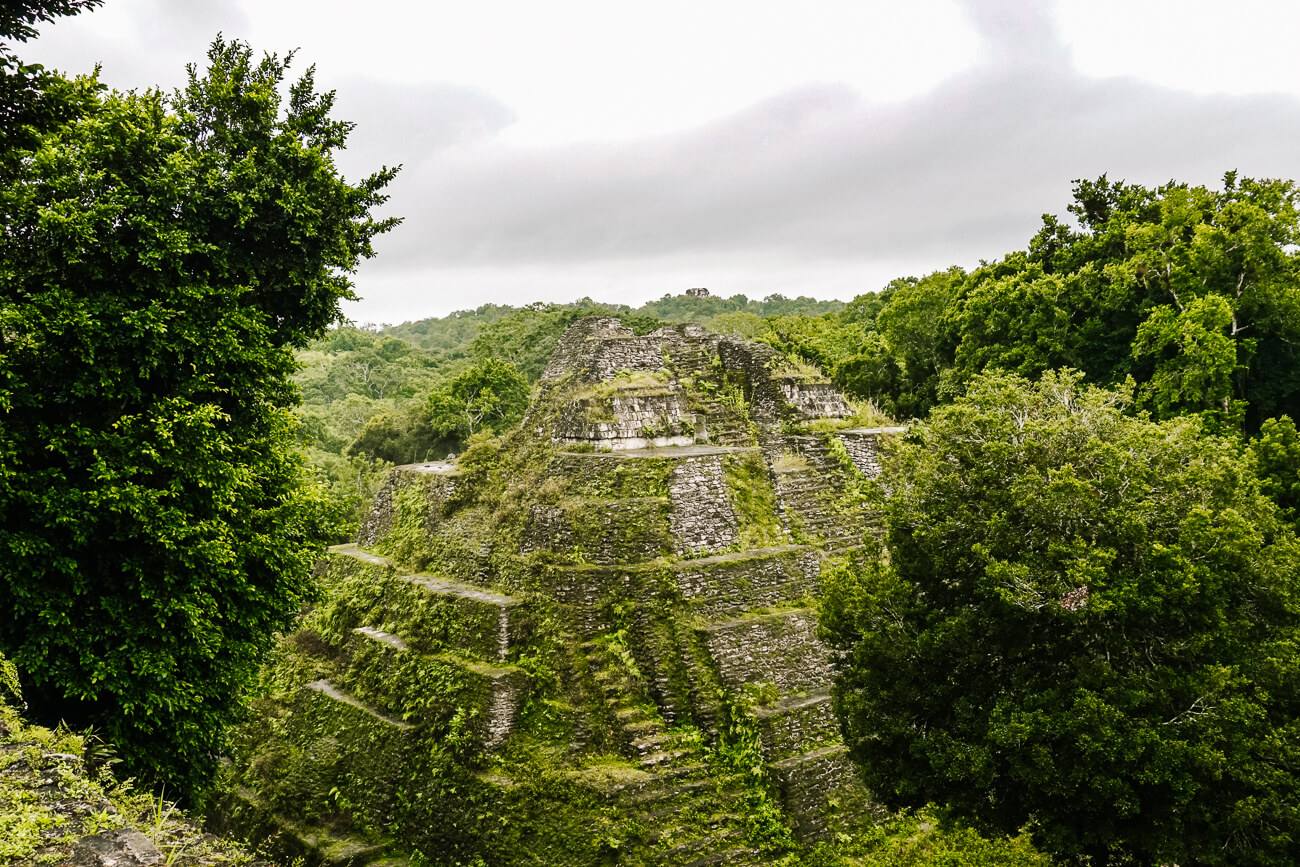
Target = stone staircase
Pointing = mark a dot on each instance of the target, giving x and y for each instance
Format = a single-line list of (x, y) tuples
[(693, 817), (806, 494), (639, 730)]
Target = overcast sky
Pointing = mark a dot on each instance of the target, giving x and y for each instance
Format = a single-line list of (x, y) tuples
[(623, 150)]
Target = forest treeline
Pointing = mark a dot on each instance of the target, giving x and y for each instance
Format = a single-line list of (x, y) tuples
[(1184, 295), (375, 396)]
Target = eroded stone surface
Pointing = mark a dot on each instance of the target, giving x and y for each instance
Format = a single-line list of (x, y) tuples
[(77, 824), (670, 536)]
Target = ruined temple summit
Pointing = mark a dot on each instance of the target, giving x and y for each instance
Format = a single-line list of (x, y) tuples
[(592, 641)]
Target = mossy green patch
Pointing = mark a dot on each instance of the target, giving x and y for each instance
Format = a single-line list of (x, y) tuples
[(749, 482)]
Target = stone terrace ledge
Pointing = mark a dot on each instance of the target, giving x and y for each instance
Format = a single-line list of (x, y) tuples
[(663, 452)]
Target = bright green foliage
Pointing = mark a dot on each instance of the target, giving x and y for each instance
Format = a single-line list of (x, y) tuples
[(159, 258), (1277, 460), (922, 840), (10, 688), (363, 409), (912, 324), (1087, 624), (32, 100), (491, 395), (1194, 357), (1192, 291)]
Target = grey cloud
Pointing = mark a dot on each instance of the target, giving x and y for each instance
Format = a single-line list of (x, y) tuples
[(819, 174), (191, 20), (172, 34), (961, 174), (1017, 33), (406, 123)]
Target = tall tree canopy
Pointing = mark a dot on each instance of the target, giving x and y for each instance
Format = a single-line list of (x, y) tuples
[(1193, 292), (1088, 623), (160, 257)]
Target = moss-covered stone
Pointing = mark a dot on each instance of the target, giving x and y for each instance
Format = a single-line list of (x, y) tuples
[(574, 656), (54, 809)]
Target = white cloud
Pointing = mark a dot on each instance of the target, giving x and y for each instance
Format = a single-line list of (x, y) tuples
[(1204, 46), (622, 150)]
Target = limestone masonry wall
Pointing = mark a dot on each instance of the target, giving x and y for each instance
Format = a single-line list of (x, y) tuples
[(797, 726), (779, 649), (814, 399), (617, 572), (596, 348), (863, 447), (727, 586), (627, 421), (702, 518)]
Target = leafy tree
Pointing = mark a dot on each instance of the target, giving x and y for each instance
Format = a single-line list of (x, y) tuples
[(1193, 292), (403, 436), (1087, 624), (159, 259), (32, 100), (1195, 359), (914, 325), (491, 395), (1277, 460)]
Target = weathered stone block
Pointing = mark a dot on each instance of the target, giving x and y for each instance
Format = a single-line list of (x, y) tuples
[(797, 725), (863, 446), (821, 793), (730, 584), (814, 399), (778, 649), (703, 518)]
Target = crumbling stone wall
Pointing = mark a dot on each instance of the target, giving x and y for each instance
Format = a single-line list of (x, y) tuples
[(596, 348), (863, 447), (753, 363), (797, 725), (813, 399), (627, 421), (781, 650), (439, 479), (726, 586), (702, 517), (821, 791)]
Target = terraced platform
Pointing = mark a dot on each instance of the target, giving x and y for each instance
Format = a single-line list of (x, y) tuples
[(565, 638)]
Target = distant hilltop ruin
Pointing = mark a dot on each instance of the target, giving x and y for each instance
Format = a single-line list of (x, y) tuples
[(592, 641)]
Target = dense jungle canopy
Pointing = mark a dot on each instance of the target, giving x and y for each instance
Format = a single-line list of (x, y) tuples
[(1086, 623)]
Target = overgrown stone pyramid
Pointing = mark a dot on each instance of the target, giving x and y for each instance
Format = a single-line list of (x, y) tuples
[(590, 642)]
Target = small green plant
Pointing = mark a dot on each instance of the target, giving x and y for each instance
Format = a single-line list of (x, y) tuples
[(9, 680), (795, 368), (790, 462)]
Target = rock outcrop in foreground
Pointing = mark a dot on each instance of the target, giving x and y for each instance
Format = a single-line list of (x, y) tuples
[(55, 810), (592, 642)]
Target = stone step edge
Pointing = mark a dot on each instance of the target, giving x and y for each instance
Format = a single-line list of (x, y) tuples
[(792, 703), (432, 583), (489, 670), (734, 622), (328, 689), (684, 451), (811, 756), (679, 564)]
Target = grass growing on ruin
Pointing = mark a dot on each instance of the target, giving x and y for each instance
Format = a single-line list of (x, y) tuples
[(754, 499)]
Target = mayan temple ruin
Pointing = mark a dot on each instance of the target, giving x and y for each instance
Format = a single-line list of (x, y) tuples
[(592, 641)]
